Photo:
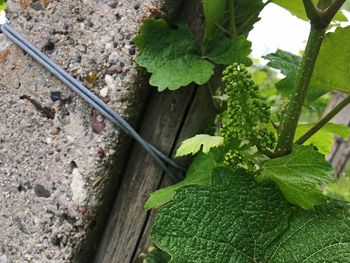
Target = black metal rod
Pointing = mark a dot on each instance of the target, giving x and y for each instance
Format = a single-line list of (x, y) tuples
[(89, 97)]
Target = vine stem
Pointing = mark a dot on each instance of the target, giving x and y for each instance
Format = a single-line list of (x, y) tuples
[(291, 118), (320, 20), (323, 121)]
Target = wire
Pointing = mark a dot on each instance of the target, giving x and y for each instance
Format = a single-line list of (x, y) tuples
[(90, 98), (122, 123)]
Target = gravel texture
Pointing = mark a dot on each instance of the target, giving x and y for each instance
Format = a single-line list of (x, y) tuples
[(59, 160)]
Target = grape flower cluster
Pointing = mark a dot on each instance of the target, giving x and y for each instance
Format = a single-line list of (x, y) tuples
[(235, 158), (247, 113)]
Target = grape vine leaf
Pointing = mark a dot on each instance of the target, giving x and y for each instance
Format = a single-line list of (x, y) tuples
[(247, 14), (199, 173), (174, 59), (297, 8), (171, 55), (332, 70), (299, 176), (214, 13), (223, 50), (198, 142), (238, 220), (289, 64), (324, 138)]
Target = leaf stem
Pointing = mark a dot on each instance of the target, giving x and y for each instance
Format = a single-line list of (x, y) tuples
[(211, 91), (323, 121), (291, 118), (232, 20), (330, 12), (266, 152)]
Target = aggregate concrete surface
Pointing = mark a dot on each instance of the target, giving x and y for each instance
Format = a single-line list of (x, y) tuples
[(58, 156)]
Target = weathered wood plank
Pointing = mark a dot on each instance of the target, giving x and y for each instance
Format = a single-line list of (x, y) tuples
[(129, 226), (200, 112), (340, 154), (160, 127)]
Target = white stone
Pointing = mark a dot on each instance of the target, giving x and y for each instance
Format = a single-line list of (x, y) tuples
[(109, 45), (104, 92), (113, 58), (77, 186), (111, 151), (109, 82), (3, 259), (3, 20), (48, 140)]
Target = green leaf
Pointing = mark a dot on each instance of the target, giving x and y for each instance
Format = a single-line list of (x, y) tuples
[(296, 7), (289, 65), (198, 142), (223, 50), (171, 55), (324, 138), (332, 70), (286, 62), (247, 14), (339, 190), (214, 12), (2, 5), (199, 173), (237, 220), (300, 176)]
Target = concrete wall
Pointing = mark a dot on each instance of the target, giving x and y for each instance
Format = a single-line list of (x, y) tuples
[(59, 172)]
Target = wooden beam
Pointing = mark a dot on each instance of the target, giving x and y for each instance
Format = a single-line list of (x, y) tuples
[(160, 127)]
